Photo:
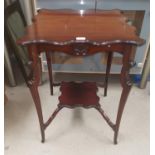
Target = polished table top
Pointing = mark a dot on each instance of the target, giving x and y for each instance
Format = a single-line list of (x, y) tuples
[(68, 26)]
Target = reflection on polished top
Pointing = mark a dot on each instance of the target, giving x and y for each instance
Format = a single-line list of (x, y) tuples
[(98, 27)]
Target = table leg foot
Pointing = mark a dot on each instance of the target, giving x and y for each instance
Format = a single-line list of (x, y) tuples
[(43, 140), (115, 137), (123, 99), (36, 99)]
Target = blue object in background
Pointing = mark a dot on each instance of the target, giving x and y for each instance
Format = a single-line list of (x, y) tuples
[(137, 78)]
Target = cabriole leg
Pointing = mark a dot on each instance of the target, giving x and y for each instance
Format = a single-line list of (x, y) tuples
[(123, 99), (33, 86), (126, 84), (35, 95)]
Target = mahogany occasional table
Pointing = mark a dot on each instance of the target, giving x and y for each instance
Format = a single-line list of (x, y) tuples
[(80, 34)]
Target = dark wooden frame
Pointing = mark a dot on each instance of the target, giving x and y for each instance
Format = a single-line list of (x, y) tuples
[(84, 48), (9, 10), (10, 43)]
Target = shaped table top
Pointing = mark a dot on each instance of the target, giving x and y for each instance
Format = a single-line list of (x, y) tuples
[(61, 27)]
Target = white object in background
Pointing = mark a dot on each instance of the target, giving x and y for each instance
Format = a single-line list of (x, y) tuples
[(34, 7), (27, 8), (82, 2), (140, 65), (80, 38)]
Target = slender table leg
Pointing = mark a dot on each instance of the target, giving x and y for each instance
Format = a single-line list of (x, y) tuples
[(49, 61), (40, 70), (126, 84), (36, 99), (33, 86), (109, 61)]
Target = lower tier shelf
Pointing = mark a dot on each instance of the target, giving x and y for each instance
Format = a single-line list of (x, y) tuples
[(78, 94)]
